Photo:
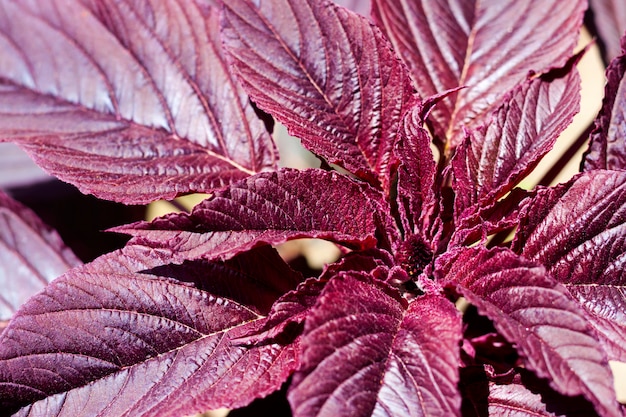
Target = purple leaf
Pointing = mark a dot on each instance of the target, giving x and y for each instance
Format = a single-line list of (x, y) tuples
[(268, 208), (606, 147), (522, 130), (364, 353), (255, 279), (31, 255), (110, 341), (416, 175), (140, 105), (578, 231), (326, 73), (610, 20), (488, 46), (537, 314)]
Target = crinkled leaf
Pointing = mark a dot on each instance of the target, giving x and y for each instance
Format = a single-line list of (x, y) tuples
[(288, 314), (266, 208), (129, 100), (607, 148), (610, 20), (31, 255), (255, 279), (578, 231), (478, 222), (364, 353), (537, 314), (416, 175), (326, 73), (107, 340), (488, 46), (522, 130)]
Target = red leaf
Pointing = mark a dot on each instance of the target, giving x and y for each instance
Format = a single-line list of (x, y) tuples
[(536, 314), (31, 255), (578, 231), (606, 147), (522, 130), (364, 353), (268, 208), (110, 341), (416, 175), (140, 97), (488, 46), (324, 72)]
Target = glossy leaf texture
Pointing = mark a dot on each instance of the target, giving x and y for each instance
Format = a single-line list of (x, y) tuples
[(578, 231), (540, 318), (486, 46), (268, 208), (417, 198), (610, 21), (326, 73), (140, 105), (521, 131), (607, 149), (109, 340), (31, 255), (365, 353)]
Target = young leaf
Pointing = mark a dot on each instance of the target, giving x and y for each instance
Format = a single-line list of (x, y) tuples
[(416, 175), (134, 101), (522, 130), (488, 46), (606, 147), (577, 230), (31, 255), (536, 314), (129, 343), (364, 353), (326, 73), (268, 208)]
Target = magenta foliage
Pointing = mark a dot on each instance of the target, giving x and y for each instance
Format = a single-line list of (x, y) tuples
[(426, 118)]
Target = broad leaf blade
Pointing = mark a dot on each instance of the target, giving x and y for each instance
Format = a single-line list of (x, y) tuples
[(128, 343), (577, 230), (374, 356), (134, 94), (268, 208), (324, 72), (535, 313), (31, 255), (522, 130), (488, 46), (255, 279), (606, 147)]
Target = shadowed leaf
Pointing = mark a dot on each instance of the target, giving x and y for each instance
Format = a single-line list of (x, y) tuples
[(537, 314), (110, 341)]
